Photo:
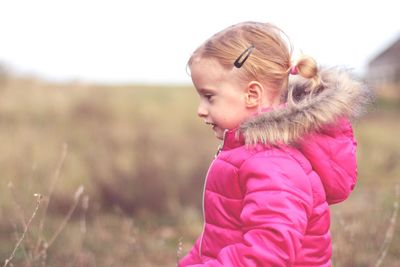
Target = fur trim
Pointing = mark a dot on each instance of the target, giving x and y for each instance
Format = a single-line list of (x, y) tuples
[(338, 95)]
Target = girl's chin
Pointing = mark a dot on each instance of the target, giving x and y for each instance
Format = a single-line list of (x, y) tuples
[(219, 133), (220, 137)]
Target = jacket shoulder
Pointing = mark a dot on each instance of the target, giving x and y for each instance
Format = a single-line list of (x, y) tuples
[(284, 165)]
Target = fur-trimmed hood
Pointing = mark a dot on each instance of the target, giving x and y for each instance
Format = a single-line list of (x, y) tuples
[(339, 95), (318, 126)]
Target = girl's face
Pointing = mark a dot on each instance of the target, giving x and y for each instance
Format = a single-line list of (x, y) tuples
[(222, 96)]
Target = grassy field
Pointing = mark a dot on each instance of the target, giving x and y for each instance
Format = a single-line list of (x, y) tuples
[(140, 155)]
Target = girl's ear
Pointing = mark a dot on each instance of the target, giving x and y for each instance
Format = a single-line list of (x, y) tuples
[(253, 95)]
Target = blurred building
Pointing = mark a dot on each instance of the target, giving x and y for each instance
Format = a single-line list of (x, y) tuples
[(384, 70)]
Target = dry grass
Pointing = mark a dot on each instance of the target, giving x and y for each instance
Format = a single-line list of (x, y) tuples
[(141, 156)]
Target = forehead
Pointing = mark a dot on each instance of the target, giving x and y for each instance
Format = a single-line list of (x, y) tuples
[(207, 71)]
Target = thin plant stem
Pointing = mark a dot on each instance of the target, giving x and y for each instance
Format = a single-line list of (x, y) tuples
[(25, 251), (51, 189), (83, 228), (42, 253), (22, 219), (390, 231), (9, 259)]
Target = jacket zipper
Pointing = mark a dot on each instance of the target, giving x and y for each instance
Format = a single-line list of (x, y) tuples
[(204, 192)]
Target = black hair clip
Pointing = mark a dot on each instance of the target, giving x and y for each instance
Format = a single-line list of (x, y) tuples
[(243, 57)]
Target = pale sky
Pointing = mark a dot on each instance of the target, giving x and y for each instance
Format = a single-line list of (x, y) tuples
[(150, 41)]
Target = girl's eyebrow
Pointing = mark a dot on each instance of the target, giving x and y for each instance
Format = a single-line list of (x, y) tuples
[(205, 91)]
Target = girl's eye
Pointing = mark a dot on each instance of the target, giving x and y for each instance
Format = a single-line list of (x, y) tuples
[(208, 96)]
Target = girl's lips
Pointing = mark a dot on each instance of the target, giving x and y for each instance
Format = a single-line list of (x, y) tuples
[(211, 124)]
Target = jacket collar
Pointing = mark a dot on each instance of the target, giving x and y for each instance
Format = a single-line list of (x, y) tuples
[(235, 138), (232, 139)]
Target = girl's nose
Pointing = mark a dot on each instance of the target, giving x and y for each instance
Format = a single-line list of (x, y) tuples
[(201, 111)]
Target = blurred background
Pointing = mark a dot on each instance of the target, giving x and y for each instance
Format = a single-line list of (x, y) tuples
[(98, 116)]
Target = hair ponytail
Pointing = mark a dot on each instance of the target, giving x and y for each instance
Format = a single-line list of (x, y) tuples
[(305, 67)]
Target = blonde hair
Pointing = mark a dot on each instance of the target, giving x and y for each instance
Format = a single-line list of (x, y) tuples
[(269, 61)]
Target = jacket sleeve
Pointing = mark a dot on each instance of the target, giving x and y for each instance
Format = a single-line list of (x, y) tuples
[(192, 257), (276, 206)]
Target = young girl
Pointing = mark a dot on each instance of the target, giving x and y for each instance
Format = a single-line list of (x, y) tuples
[(288, 150)]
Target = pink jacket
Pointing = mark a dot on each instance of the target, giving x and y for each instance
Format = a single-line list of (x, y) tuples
[(267, 193)]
